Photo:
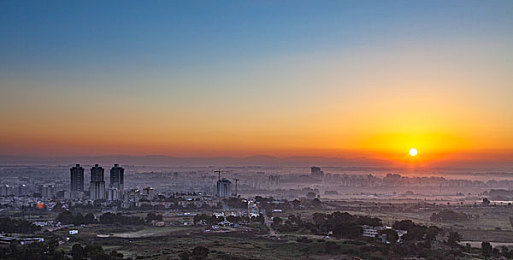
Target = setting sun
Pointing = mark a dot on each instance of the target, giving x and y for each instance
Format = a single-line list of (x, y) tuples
[(413, 152)]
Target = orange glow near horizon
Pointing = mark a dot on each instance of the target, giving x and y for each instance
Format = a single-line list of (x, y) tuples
[(417, 101), (316, 79)]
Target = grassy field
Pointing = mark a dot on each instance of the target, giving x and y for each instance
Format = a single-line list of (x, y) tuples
[(169, 242)]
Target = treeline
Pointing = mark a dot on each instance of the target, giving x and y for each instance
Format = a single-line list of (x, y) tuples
[(236, 203), (111, 218), (185, 205), (150, 217), (340, 225), (488, 251), (499, 194), (93, 251), (213, 220), (50, 250), (67, 218), (420, 234), (107, 218), (44, 250), (8, 225), (197, 253), (345, 225), (268, 204)]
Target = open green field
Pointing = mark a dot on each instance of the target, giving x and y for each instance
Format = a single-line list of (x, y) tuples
[(169, 242)]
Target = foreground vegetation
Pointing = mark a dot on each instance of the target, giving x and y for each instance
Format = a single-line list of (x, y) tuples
[(304, 229)]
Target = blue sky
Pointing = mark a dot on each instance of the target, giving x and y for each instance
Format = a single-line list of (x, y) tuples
[(41, 36)]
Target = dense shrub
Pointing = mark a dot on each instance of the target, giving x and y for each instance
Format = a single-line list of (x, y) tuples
[(8, 225)]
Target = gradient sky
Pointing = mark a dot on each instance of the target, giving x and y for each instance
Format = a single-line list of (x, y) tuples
[(237, 78)]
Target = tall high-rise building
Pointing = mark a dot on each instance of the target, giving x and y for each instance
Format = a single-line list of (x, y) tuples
[(97, 187), (117, 182), (117, 177), (316, 172), (224, 188), (77, 181)]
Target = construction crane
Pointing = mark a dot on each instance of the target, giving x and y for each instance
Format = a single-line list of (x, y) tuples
[(218, 174)]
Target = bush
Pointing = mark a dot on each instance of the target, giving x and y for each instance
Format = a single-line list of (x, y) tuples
[(304, 240), (449, 215), (8, 225), (110, 218), (486, 249)]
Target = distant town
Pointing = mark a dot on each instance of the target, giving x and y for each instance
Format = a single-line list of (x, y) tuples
[(65, 204)]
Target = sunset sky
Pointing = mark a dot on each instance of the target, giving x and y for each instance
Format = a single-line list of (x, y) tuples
[(239, 78)]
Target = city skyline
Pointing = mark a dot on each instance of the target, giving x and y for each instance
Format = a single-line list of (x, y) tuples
[(330, 79)]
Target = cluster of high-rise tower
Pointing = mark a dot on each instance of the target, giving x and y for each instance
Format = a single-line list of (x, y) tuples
[(97, 189)]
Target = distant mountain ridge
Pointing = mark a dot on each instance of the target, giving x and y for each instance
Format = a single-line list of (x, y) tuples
[(255, 160), (164, 160)]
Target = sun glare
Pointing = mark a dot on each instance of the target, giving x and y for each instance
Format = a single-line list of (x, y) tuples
[(413, 152)]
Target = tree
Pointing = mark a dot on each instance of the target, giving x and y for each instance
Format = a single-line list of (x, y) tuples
[(295, 219), (78, 219), (449, 215), (364, 220), (296, 204), (316, 203), (277, 221), (57, 207), (391, 235), (184, 255), (215, 220), (8, 225), (506, 252), (403, 225), (486, 201), (319, 218), (233, 219), (260, 218), (110, 218), (486, 249), (432, 232), (347, 230), (416, 233), (89, 218), (78, 252), (200, 252), (453, 239), (310, 195), (198, 218), (42, 250), (152, 216), (116, 254), (94, 251), (65, 217)]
